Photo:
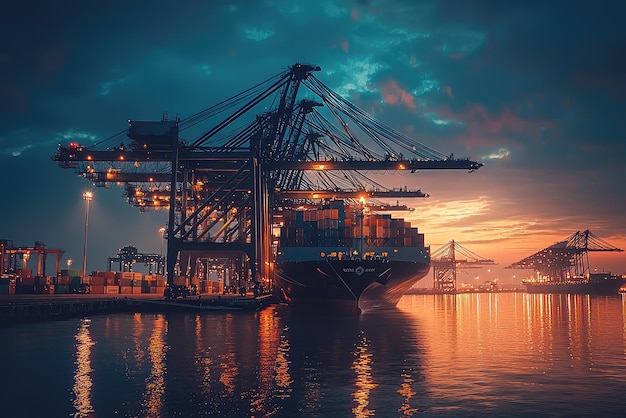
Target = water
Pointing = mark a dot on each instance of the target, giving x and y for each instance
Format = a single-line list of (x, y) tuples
[(503, 354)]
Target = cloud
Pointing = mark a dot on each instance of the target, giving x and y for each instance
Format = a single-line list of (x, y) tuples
[(357, 75), (393, 94), (498, 155), (75, 136), (257, 34)]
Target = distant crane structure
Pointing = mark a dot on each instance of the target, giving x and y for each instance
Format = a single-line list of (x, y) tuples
[(14, 259), (567, 259), (226, 188), (449, 258), (127, 256)]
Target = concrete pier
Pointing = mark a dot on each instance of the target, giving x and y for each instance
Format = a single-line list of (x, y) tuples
[(24, 308)]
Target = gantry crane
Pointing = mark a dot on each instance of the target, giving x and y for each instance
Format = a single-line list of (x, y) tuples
[(446, 261), (127, 256), (13, 260), (565, 260), (226, 188)]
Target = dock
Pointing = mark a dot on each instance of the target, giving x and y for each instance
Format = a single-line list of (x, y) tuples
[(29, 308)]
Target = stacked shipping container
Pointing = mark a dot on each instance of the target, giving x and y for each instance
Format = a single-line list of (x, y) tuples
[(339, 225)]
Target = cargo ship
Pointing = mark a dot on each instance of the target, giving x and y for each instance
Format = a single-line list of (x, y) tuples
[(337, 254), (594, 284)]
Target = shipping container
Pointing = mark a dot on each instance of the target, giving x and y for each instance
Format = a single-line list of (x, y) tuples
[(44, 289), (125, 290), (25, 289), (43, 280), (61, 289)]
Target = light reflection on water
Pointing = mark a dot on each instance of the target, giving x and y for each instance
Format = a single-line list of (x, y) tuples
[(466, 355), (152, 396), (549, 355), (364, 382), (82, 374)]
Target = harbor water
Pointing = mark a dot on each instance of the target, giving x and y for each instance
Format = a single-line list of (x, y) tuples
[(487, 354)]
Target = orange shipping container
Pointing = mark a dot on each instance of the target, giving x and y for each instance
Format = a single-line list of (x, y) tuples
[(98, 289), (124, 275), (125, 282), (98, 281)]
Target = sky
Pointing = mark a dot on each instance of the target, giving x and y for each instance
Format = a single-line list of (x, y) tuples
[(535, 90)]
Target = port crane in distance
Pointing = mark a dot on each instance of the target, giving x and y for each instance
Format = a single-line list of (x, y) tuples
[(223, 188), (449, 258)]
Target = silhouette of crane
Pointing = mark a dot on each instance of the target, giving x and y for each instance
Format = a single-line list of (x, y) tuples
[(567, 259), (449, 258)]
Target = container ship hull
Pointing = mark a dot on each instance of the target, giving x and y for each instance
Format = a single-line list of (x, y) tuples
[(597, 284), (343, 284), (335, 255)]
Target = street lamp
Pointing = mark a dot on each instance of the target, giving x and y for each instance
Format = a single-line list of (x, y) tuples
[(88, 197), (162, 232)]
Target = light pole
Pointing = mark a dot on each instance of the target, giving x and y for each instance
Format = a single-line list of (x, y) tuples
[(162, 264), (88, 197)]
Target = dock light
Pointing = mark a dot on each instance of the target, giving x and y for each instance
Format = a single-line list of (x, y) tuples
[(87, 197)]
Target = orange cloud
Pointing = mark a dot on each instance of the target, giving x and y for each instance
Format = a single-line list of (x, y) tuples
[(392, 93), (486, 127), (355, 14), (345, 45)]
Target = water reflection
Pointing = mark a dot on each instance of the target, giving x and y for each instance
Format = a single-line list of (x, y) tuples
[(82, 374), (274, 379), (152, 399), (512, 355), (138, 330), (227, 359), (364, 382), (407, 392), (202, 359), (494, 352)]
